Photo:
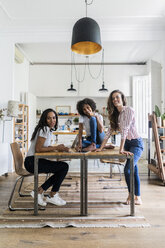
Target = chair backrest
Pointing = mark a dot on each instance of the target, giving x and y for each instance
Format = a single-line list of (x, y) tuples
[(18, 158)]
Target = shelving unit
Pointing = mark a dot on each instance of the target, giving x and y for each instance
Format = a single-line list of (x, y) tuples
[(156, 164), (21, 128)]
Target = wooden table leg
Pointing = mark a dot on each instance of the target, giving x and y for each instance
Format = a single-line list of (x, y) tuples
[(35, 186)]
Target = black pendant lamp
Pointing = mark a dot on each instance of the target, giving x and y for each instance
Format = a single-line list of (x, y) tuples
[(86, 37), (103, 89), (71, 84), (71, 87)]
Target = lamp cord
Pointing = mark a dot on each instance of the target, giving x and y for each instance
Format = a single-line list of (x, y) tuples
[(98, 75), (86, 2), (85, 66), (76, 73)]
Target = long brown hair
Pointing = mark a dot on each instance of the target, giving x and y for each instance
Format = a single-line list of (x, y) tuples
[(113, 113)]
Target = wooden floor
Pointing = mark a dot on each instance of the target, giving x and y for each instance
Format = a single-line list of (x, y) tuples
[(153, 208)]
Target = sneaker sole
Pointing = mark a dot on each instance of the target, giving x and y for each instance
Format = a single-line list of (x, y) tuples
[(60, 205)]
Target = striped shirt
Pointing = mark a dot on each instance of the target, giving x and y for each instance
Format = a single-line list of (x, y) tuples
[(126, 122)]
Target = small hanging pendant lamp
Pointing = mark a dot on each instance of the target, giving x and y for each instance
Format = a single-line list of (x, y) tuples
[(71, 84), (103, 89)]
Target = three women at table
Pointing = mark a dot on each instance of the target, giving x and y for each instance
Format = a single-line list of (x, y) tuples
[(41, 142), (122, 118), (93, 124)]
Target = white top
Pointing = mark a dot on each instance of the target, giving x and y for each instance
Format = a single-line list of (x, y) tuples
[(47, 134), (127, 125), (86, 122)]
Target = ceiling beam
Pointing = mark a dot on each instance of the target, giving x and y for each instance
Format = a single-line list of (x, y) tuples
[(94, 63)]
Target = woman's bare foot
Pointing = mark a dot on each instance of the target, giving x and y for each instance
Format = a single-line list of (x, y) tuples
[(90, 148)]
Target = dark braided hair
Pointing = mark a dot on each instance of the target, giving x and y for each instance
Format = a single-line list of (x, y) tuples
[(112, 110), (43, 122)]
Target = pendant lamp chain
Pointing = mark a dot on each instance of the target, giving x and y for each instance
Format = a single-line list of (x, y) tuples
[(103, 65)]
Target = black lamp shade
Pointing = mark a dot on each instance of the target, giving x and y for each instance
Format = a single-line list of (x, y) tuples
[(86, 37), (103, 89), (71, 88)]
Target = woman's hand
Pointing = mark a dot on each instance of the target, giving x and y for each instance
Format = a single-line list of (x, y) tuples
[(78, 148), (61, 148), (126, 153)]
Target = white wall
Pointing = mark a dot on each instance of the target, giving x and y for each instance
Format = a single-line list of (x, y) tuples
[(51, 102), (21, 78), (54, 80), (6, 93), (156, 84)]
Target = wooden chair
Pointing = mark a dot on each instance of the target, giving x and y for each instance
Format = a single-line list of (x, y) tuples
[(112, 163), (157, 166), (21, 172)]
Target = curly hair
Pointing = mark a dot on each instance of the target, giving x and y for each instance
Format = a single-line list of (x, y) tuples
[(43, 122), (81, 103), (112, 110)]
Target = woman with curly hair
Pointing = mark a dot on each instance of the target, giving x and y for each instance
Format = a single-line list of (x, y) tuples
[(41, 142), (122, 119), (93, 124)]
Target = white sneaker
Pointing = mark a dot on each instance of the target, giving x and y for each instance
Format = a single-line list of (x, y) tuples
[(41, 201), (56, 200)]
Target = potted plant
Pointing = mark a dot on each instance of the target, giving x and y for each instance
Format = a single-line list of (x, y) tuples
[(163, 119), (76, 120), (158, 116), (2, 114)]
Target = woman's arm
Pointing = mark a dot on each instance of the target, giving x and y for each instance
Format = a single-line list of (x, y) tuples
[(102, 145), (40, 146), (107, 136), (121, 150), (80, 133)]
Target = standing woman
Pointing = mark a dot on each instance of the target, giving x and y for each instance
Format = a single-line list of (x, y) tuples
[(122, 118), (41, 142)]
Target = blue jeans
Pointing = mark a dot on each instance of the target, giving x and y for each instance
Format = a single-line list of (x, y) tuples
[(96, 137), (136, 147)]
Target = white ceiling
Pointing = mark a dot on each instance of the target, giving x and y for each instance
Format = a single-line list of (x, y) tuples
[(117, 16), (114, 52)]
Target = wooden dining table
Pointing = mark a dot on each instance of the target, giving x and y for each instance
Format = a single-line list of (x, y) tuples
[(84, 157)]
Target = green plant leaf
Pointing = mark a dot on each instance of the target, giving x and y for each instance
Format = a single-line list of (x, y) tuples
[(157, 111)]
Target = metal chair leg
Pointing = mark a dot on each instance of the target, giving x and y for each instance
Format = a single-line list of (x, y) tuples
[(19, 190), (11, 198)]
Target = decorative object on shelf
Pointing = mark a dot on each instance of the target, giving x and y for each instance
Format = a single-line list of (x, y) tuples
[(86, 37), (13, 108), (71, 84), (68, 123), (63, 110), (10, 111), (158, 116), (103, 89)]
